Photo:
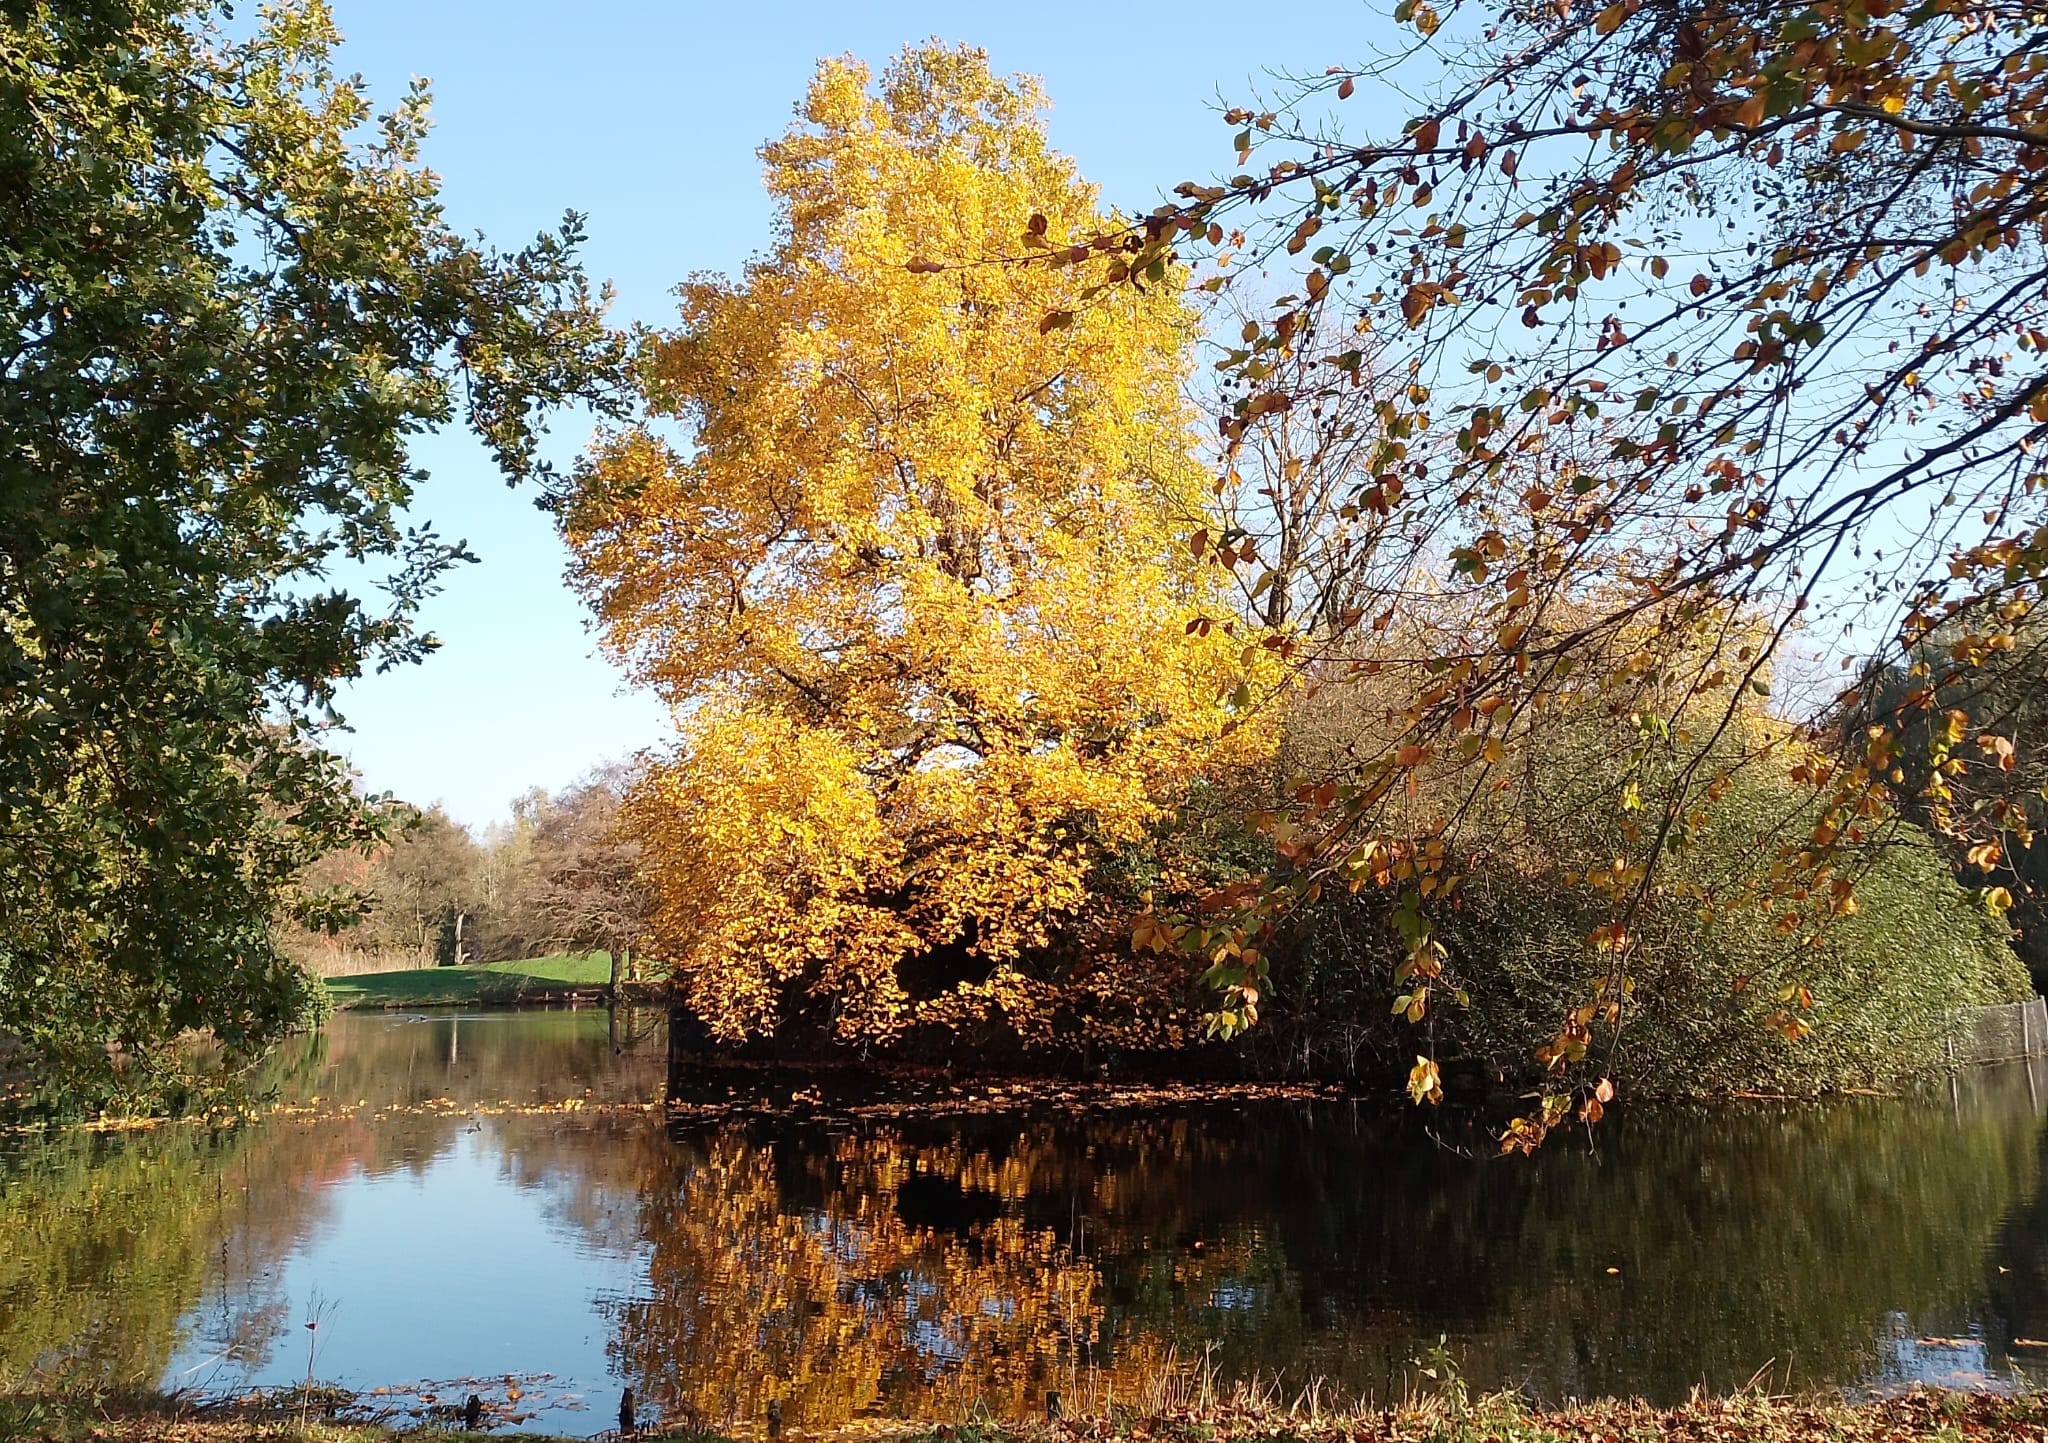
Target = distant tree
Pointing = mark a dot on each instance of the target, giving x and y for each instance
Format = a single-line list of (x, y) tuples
[(427, 890), (232, 301), (583, 888), (506, 925), (1290, 496)]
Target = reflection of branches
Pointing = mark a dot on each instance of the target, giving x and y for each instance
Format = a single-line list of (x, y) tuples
[(841, 1305), (910, 1270)]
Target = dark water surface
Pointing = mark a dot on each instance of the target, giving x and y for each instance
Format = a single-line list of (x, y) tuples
[(912, 1268)]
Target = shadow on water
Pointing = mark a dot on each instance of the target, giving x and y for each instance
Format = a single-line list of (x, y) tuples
[(916, 1267)]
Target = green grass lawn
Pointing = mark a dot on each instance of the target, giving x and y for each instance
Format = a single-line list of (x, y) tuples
[(488, 984)]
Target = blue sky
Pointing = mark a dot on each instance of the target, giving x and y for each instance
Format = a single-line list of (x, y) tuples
[(646, 117)]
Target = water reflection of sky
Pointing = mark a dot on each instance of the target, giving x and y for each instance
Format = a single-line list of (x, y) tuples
[(1941, 1362), (446, 1273)]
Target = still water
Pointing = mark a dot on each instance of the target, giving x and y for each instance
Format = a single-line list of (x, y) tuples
[(430, 1206)]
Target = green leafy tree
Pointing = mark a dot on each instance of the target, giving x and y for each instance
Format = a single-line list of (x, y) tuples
[(231, 302)]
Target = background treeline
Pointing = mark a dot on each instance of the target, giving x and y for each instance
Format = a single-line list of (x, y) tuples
[(2004, 693), (557, 877)]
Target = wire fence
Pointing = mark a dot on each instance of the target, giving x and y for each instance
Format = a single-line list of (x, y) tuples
[(2003, 1033)]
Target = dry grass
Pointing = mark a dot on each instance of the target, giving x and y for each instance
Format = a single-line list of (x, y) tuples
[(344, 961), (1185, 1407), (1934, 1417)]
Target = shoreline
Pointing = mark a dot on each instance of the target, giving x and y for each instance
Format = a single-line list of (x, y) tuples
[(1155, 1071), (1170, 1416)]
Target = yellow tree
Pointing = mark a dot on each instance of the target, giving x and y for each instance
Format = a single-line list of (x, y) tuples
[(914, 576)]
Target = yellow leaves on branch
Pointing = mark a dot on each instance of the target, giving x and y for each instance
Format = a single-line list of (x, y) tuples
[(916, 583)]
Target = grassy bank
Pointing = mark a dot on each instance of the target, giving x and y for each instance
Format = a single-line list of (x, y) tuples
[(490, 984), (1936, 1417)]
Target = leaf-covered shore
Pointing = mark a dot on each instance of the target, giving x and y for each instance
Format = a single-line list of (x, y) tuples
[(1925, 1414)]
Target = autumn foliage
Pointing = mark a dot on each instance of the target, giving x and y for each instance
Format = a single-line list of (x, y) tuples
[(972, 633), (1676, 333), (904, 543)]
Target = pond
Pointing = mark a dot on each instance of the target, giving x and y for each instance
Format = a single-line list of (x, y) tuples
[(490, 1197)]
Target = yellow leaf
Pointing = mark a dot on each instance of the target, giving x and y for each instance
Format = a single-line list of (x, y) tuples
[(1425, 1084)]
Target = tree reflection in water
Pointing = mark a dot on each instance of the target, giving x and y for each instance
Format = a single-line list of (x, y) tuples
[(917, 1268), (914, 1269)]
